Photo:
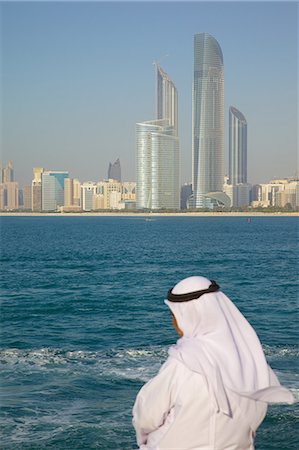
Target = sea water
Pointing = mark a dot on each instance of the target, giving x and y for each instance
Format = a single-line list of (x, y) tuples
[(84, 325)]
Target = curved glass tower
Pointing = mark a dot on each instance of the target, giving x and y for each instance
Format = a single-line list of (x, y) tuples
[(157, 181), (167, 98), (237, 147), (158, 152), (207, 119)]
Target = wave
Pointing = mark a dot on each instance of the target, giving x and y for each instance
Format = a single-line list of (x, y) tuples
[(131, 364), (281, 352), (48, 356)]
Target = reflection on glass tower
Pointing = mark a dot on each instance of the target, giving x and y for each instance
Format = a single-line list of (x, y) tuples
[(167, 98), (53, 189), (208, 119), (157, 157), (157, 165), (237, 147)]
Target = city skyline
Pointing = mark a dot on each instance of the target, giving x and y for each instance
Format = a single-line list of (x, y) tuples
[(76, 79)]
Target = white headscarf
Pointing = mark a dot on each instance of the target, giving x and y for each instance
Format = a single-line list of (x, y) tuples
[(220, 344)]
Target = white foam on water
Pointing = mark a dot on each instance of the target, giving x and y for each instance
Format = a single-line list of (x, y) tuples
[(130, 363), (24, 429), (281, 352)]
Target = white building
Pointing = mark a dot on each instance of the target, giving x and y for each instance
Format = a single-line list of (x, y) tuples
[(88, 189), (278, 193)]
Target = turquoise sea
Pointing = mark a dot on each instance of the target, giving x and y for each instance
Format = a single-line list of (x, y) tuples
[(84, 326)]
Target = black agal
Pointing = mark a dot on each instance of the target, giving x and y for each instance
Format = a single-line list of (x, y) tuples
[(192, 295)]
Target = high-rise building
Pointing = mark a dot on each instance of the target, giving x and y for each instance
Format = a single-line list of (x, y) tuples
[(12, 195), (77, 192), (88, 190), (114, 171), (166, 98), (27, 197), (186, 191), (128, 191), (157, 156), (8, 173), (68, 192), (157, 166), (106, 188), (237, 147), (36, 187), (72, 195), (3, 200), (53, 189), (207, 119)]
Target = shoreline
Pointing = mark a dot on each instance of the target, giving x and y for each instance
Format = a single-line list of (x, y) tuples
[(151, 214)]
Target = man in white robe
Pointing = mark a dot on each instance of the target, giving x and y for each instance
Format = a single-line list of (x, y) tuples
[(213, 390)]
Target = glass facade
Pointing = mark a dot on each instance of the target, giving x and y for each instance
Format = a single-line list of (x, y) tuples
[(157, 165), (207, 118), (53, 190), (237, 147), (157, 156), (167, 98), (114, 171)]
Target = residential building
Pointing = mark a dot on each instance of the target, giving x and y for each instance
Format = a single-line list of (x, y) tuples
[(68, 192), (36, 186), (105, 188), (97, 202), (12, 195), (207, 120), (88, 190), (8, 173), (3, 200), (27, 198), (278, 192), (76, 192)]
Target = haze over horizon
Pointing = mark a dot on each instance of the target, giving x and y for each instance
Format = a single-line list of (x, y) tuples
[(77, 77)]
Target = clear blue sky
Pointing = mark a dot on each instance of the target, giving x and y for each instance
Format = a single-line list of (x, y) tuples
[(76, 77)]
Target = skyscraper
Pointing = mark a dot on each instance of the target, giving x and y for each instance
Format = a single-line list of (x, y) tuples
[(237, 147), (240, 190), (157, 165), (114, 171), (88, 190), (8, 173), (53, 190), (207, 119), (157, 158), (68, 192), (166, 98), (36, 187)]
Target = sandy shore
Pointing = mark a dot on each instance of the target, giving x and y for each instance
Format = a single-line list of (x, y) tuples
[(152, 214)]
